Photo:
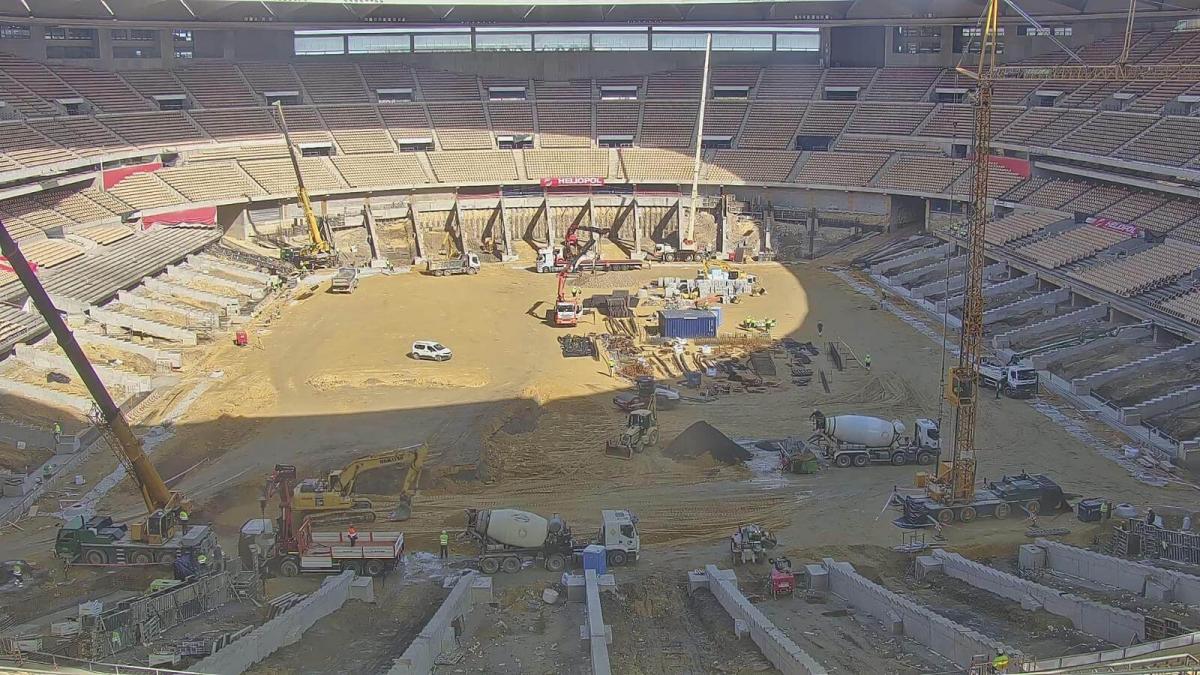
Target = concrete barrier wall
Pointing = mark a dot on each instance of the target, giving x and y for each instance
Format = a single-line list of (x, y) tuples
[(598, 635), (1116, 625), (452, 620), (779, 649), (958, 643), (283, 630), (1146, 580), (130, 382)]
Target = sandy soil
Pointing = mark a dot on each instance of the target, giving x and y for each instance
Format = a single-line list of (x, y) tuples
[(512, 423)]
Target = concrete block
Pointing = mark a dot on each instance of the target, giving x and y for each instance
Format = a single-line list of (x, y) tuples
[(927, 565), (1031, 557), (740, 628), (696, 580), (576, 587), (363, 589), (818, 578), (1158, 592), (481, 590)]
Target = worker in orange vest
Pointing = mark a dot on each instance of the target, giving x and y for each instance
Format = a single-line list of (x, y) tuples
[(352, 533)]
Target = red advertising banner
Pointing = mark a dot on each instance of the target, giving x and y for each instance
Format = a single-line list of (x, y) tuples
[(5, 267), (203, 215), (1127, 229), (573, 181), (1020, 167), (113, 176)]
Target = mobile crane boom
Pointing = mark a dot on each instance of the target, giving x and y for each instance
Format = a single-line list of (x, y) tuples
[(127, 446), (317, 243)]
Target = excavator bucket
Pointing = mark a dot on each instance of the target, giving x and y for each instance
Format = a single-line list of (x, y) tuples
[(619, 447)]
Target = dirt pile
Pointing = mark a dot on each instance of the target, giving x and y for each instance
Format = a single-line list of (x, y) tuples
[(703, 437)]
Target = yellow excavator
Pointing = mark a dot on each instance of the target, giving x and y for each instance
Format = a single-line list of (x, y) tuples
[(333, 499), (319, 252)]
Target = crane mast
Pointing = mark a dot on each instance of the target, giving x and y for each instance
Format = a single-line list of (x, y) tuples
[(317, 243), (111, 420)]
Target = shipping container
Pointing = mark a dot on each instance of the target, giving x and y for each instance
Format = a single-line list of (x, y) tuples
[(687, 323)]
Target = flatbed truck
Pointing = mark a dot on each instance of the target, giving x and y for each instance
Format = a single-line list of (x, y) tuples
[(1025, 494), (373, 554)]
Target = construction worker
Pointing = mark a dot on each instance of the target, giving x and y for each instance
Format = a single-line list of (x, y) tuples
[(820, 328), (867, 361), (1105, 510), (1000, 662), (444, 541), (18, 575), (183, 520), (57, 432), (352, 535)]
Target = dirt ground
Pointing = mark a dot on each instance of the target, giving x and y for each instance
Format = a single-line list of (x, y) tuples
[(327, 378)]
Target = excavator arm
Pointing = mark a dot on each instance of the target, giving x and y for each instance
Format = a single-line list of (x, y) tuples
[(413, 456)]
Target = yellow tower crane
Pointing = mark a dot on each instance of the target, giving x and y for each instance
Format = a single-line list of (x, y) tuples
[(952, 493)]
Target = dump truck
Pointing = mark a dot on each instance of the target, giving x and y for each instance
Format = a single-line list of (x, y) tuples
[(157, 540), (467, 263), (859, 440), (277, 551), (1015, 380), (345, 281), (1024, 494), (508, 538)]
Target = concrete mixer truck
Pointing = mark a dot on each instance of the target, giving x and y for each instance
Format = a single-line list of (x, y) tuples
[(509, 537), (859, 440)]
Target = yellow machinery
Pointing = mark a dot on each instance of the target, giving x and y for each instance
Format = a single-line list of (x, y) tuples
[(318, 252), (953, 489), (332, 497)]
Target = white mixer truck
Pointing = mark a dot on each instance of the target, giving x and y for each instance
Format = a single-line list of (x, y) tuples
[(509, 537), (859, 440)]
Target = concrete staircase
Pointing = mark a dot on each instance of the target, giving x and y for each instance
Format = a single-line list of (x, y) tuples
[(882, 269), (1005, 340), (1012, 309), (1160, 404), (1085, 385), (1018, 284), (954, 264)]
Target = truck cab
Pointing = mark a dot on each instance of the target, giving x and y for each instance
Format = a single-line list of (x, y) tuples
[(926, 434), (550, 260), (619, 536)]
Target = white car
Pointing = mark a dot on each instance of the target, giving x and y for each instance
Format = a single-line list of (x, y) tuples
[(431, 351)]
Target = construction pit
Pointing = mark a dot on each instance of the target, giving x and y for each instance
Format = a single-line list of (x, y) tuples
[(511, 423)]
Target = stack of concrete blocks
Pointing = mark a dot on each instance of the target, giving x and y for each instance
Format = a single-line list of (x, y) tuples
[(902, 616), (779, 649), (1152, 583), (1115, 625), (285, 629), (455, 619)]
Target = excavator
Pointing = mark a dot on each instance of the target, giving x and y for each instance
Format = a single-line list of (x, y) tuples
[(332, 498), (159, 537), (318, 252)]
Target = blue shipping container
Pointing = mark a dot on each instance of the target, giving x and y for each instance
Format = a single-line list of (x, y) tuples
[(595, 557), (687, 323)]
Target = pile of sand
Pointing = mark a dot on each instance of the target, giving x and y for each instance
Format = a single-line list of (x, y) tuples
[(701, 438)]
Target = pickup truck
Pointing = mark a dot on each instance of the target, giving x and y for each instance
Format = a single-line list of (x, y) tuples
[(345, 281), (467, 263)]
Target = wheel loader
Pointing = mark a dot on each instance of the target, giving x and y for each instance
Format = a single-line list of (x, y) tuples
[(641, 431)]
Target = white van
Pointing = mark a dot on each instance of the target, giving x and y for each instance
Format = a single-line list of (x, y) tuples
[(431, 351)]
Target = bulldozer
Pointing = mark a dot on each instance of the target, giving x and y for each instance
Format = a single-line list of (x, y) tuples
[(333, 499), (641, 431)]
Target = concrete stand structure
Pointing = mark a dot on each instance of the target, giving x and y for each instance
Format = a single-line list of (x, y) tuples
[(226, 304), (1153, 583), (44, 395), (254, 292), (779, 649), (170, 359), (453, 620), (285, 629), (206, 263), (115, 320), (958, 643), (196, 318), (1118, 626), (1030, 332), (131, 383)]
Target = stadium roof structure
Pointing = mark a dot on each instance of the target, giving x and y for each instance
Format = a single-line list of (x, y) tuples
[(434, 13)]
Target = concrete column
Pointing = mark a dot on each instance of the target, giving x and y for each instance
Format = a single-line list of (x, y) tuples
[(418, 242), (637, 229), (458, 226), (549, 212)]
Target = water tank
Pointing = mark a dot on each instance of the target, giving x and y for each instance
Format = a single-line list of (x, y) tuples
[(515, 528), (872, 432)]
